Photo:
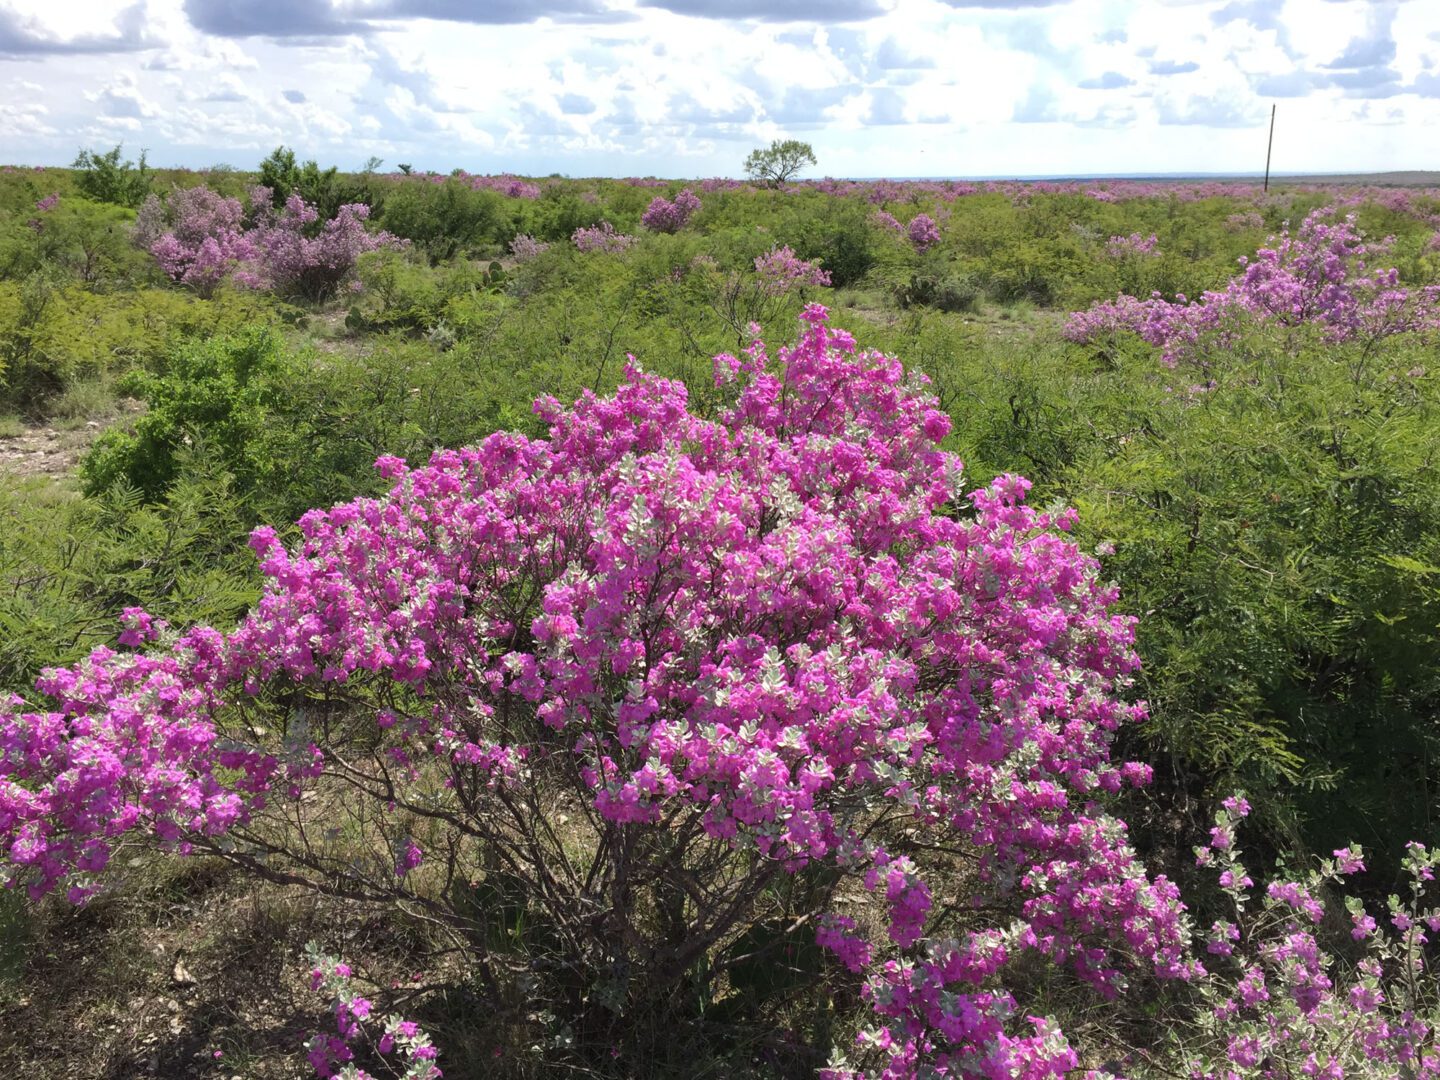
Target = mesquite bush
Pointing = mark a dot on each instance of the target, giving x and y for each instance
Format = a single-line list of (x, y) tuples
[(626, 682)]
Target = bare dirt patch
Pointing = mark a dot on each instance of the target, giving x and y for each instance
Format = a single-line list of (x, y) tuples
[(53, 450), (46, 451)]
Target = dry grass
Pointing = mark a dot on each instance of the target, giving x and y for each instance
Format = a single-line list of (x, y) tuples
[(188, 969)]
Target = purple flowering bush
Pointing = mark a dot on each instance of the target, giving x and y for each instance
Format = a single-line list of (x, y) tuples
[(778, 288), (887, 221), (210, 240), (296, 259), (1279, 1001), (1120, 247), (1317, 276), (525, 247), (670, 215), (206, 241), (602, 238), (400, 1042), (637, 673), (780, 270), (923, 232)]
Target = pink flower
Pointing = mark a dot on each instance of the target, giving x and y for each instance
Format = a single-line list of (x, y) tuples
[(409, 859), (923, 232)]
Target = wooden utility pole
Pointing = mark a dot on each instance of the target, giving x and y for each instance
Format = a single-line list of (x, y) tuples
[(1268, 147)]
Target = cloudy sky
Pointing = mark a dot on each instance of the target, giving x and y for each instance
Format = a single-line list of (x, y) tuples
[(687, 87)]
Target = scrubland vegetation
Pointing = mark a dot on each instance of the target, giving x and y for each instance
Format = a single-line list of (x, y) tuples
[(543, 627)]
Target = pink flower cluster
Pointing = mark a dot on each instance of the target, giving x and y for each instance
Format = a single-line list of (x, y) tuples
[(602, 238), (923, 232), (1318, 276), (48, 203), (1120, 247), (514, 187), (334, 1055), (298, 259), (887, 221), (780, 270), (209, 242), (670, 215), (525, 247), (1279, 1003)]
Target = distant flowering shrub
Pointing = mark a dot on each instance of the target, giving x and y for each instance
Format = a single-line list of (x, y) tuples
[(670, 216), (150, 222), (209, 240), (883, 191), (1246, 219), (1119, 247), (48, 203), (923, 232), (1317, 276), (780, 270), (886, 220), (525, 247), (602, 238), (206, 241), (514, 187), (737, 646), (295, 262)]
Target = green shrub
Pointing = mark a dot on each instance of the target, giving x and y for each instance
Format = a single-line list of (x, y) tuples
[(84, 241), (1279, 526), (447, 219), (106, 178), (70, 566), (224, 391), (558, 213), (838, 235)]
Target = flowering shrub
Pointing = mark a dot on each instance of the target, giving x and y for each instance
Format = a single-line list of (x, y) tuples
[(525, 247), (150, 222), (334, 1055), (313, 266), (44, 206), (1276, 1004), (776, 289), (206, 242), (1120, 247), (514, 187), (885, 220), (780, 270), (1317, 276), (1245, 219), (731, 649), (603, 238), (670, 216), (923, 232)]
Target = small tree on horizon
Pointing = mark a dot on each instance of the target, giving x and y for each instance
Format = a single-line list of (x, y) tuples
[(779, 162)]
